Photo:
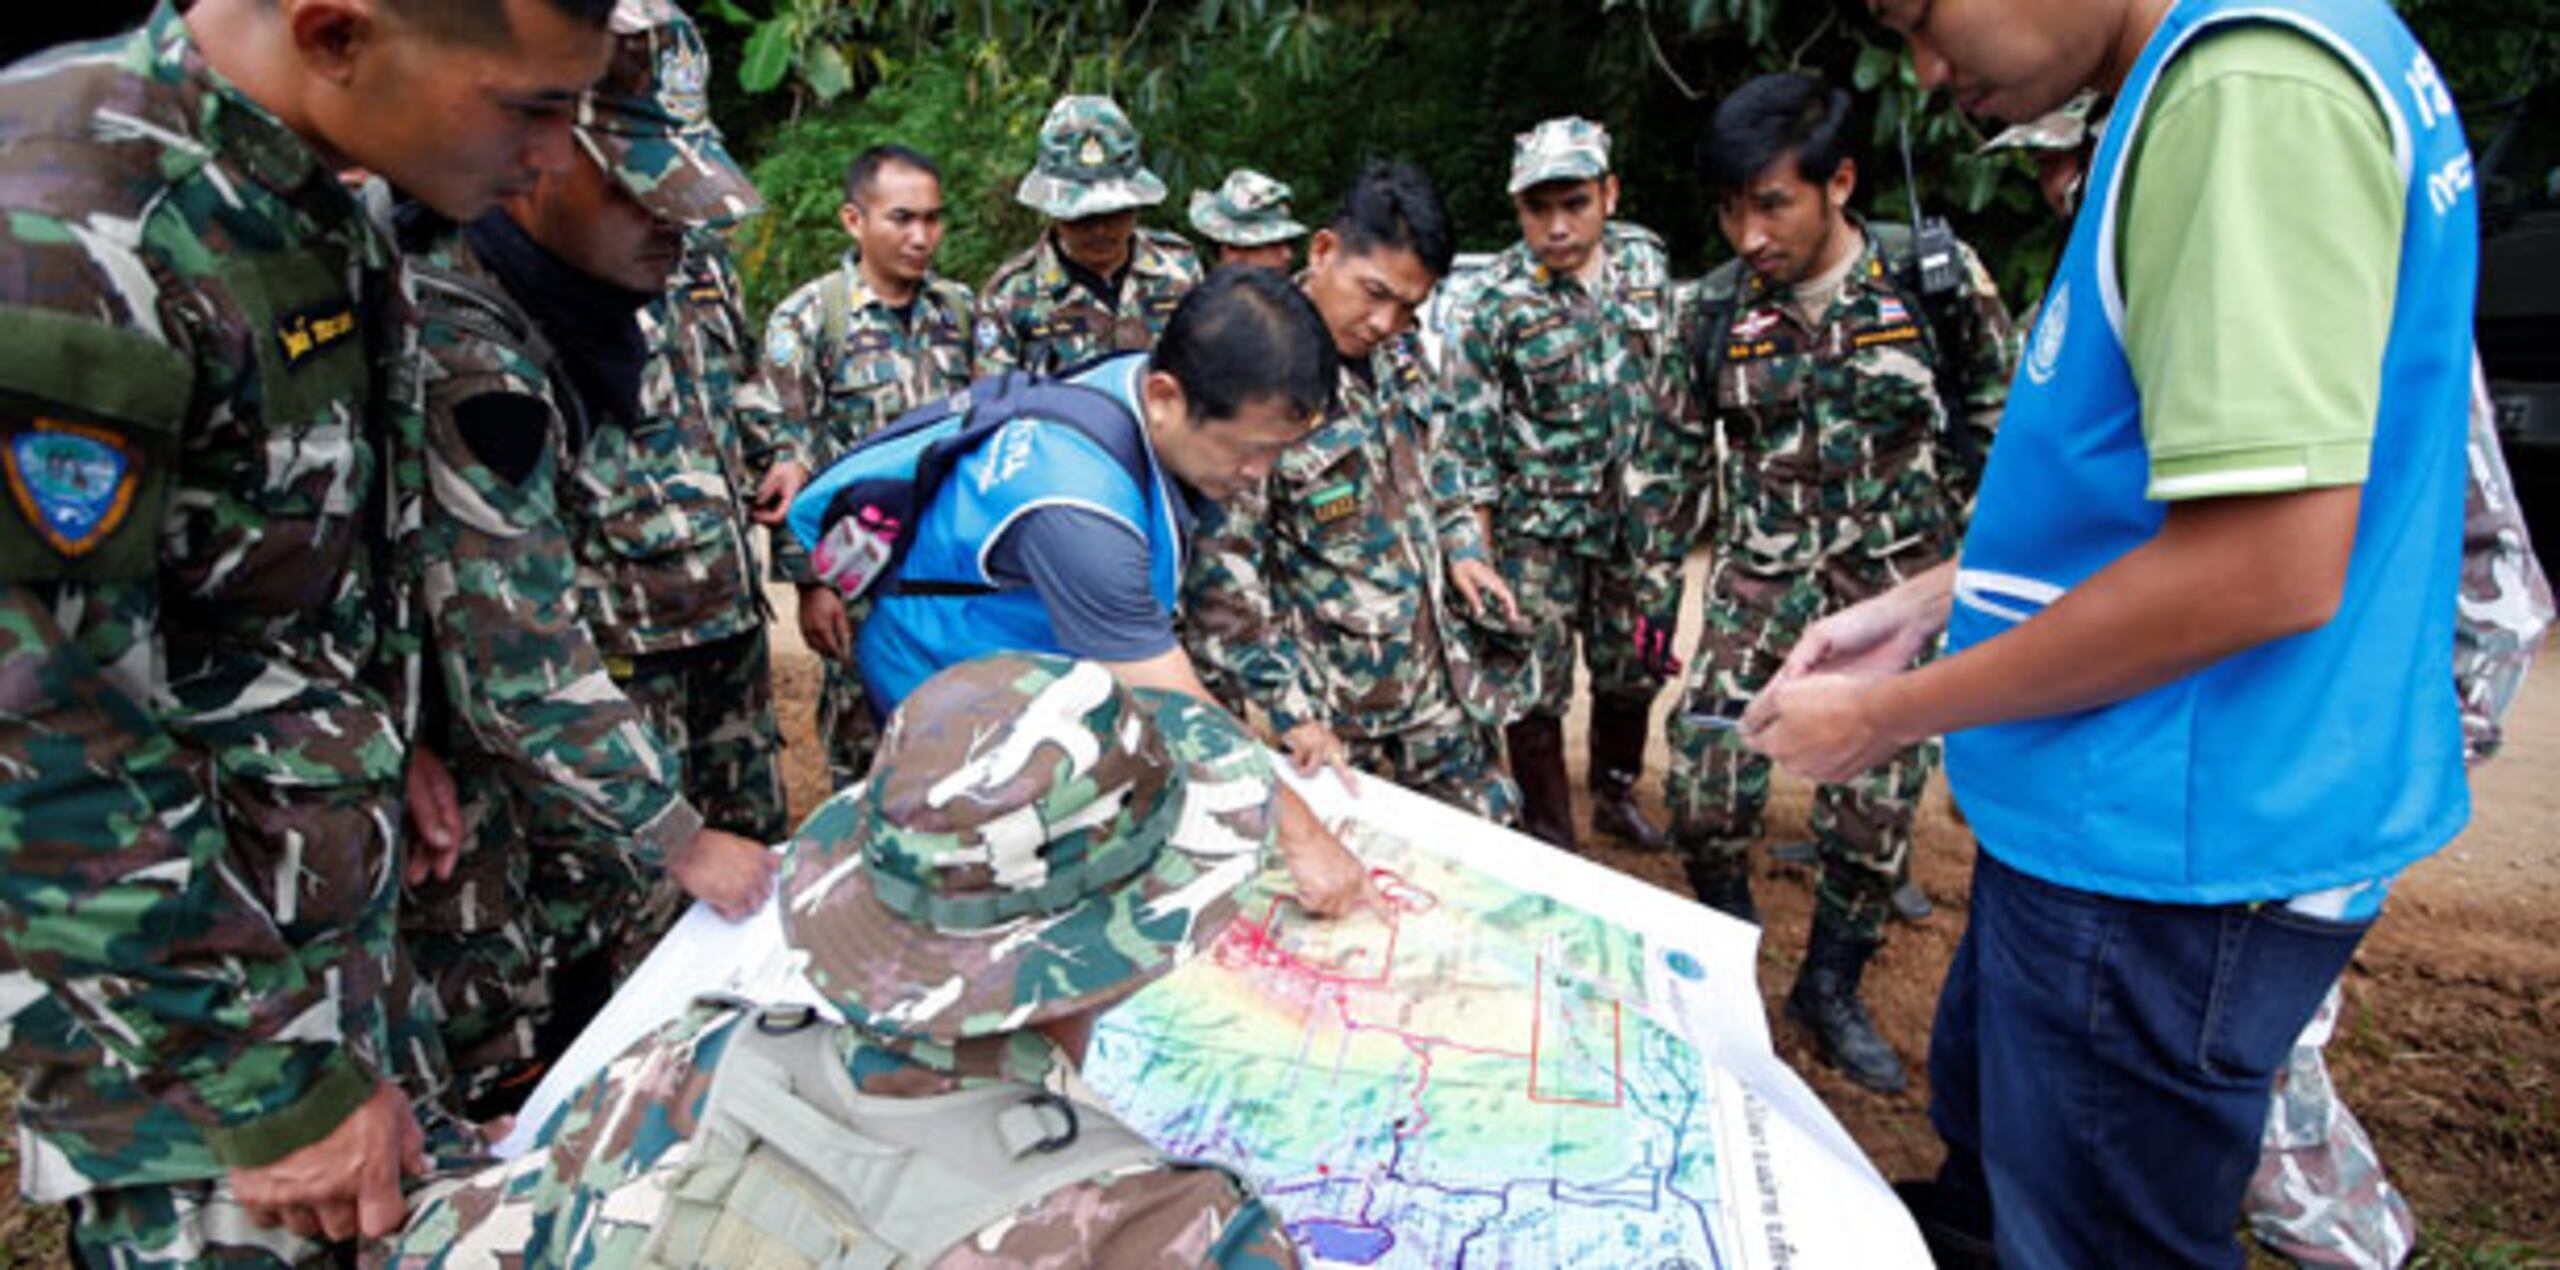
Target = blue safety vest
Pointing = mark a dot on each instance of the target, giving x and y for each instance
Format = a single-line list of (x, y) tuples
[(1028, 464), (2319, 760)]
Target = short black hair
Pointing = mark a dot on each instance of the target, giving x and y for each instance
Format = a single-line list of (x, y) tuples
[(484, 23), (1246, 335), (1392, 204), (1771, 116), (866, 166)]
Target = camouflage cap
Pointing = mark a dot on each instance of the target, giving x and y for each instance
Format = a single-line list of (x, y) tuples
[(1248, 209), (648, 121), (1088, 163), (2064, 129), (1035, 841), (1567, 149)]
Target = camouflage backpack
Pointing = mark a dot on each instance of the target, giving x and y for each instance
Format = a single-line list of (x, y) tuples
[(791, 1165)]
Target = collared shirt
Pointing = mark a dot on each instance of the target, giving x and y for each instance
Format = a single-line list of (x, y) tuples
[(1037, 316), (1822, 435), (1323, 592), (845, 363), (1552, 380), (212, 351)]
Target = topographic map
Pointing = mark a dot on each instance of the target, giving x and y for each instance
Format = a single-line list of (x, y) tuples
[(1458, 1081), (1482, 1074)]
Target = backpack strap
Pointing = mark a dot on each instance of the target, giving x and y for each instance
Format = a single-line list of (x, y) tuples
[(791, 1159), (835, 306), (994, 403), (1719, 294)]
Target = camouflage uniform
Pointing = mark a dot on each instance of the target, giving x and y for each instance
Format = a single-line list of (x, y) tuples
[(844, 363), (1034, 313), (1835, 473), (536, 733), (1548, 390), (1164, 793), (1247, 209), (1549, 383), (203, 347), (1324, 592)]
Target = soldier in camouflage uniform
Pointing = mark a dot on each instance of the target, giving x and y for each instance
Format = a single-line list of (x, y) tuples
[(1326, 591), (1841, 419), (571, 806), (664, 497), (961, 982), (847, 353), (1248, 218), (1556, 371), (1097, 282), (201, 765)]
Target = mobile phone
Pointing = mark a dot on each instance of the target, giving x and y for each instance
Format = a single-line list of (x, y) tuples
[(1723, 712)]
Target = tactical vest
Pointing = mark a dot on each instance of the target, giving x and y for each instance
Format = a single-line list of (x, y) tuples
[(1029, 464), (2319, 760), (792, 1165)]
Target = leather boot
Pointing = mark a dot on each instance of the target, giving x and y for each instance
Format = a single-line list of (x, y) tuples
[(1546, 793), (1825, 999), (1618, 731), (1725, 886)]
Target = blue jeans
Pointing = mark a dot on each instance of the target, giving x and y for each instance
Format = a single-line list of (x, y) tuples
[(2100, 1067)]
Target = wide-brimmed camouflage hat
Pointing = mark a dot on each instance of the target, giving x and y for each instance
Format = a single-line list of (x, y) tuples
[(648, 121), (2064, 129), (1036, 840), (1248, 209), (1568, 149), (1088, 163)]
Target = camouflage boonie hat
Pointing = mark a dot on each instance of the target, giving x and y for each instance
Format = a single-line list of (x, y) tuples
[(2064, 129), (648, 121), (1248, 209), (1567, 149), (1088, 164), (1035, 841)]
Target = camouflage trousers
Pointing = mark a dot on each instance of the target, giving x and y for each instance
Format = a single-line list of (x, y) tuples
[(845, 722), (713, 704), (1718, 788), (1447, 756), (1565, 594), (2319, 1197)]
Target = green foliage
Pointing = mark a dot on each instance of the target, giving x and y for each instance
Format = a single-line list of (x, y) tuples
[(1308, 93)]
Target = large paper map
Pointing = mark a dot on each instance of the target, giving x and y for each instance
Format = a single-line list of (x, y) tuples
[(1527, 1060)]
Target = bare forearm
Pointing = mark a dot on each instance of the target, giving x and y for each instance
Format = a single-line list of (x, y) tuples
[(2221, 577)]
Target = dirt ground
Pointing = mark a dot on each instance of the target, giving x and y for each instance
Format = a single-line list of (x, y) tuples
[(2450, 1052)]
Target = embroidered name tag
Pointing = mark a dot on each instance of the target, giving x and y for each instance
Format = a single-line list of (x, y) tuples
[(1903, 334), (1333, 503), (707, 293), (1755, 350), (314, 331)]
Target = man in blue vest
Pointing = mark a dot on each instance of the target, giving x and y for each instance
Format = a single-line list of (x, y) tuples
[(2194, 687), (1048, 539)]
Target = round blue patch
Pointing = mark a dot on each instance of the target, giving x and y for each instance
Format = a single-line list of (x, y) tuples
[(1684, 965)]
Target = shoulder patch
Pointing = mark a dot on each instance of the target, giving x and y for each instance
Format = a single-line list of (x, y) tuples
[(73, 483), (990, 334), (781, 343), (506, 431)]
